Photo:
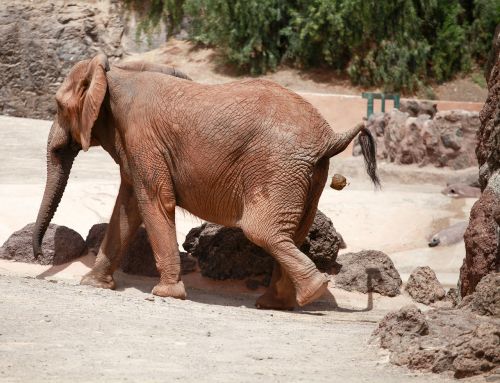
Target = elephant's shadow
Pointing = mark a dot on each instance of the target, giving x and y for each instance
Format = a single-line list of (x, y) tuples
[(230, 297)]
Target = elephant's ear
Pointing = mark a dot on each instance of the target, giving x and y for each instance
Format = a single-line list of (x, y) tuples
[(94, 87)]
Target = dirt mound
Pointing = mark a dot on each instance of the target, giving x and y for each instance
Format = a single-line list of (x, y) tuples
[(441, 340), (368, 270), (60, 245), (424, 287), (225, 253)]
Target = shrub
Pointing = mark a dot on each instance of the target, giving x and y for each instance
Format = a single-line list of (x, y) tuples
[(399, 45)]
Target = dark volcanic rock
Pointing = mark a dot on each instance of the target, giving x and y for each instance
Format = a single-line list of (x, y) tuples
[(60, 245), (482, 238), (481, 242), (368, 270), (225, 253), (486, 299), (447, 139), (138, 258), (424, 287), (95, 237), (41, 40), (415, 108), (441, 340)]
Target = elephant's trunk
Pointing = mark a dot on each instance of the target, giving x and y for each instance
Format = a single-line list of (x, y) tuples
[(60, 157)]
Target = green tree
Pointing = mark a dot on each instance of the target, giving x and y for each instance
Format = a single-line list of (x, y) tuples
[(398, 45)]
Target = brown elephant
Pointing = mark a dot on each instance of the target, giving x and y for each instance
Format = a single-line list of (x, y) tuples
[(248, 154)]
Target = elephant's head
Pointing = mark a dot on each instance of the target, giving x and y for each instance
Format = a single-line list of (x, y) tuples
[(79, 102)]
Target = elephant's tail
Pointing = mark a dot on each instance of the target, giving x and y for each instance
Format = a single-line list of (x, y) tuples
[(341, 141)]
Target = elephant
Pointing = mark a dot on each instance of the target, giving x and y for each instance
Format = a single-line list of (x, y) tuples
[(249, 154)]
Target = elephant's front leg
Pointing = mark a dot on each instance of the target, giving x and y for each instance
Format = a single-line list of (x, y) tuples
[(158, 211), (122, 226)]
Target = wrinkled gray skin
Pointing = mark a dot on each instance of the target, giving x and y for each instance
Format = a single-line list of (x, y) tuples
[(248, 154)]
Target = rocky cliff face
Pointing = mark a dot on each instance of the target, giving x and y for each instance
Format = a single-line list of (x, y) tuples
[(482, 235), (41, 40)]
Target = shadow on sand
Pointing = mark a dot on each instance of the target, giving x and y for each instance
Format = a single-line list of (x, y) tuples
[(227, 294)]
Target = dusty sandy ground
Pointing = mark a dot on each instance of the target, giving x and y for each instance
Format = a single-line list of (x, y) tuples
[(61, 331)]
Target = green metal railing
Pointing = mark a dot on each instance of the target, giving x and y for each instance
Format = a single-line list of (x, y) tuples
[(379, 96)]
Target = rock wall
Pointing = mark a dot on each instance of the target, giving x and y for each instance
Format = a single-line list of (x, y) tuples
[(482, 238), (41, 40), (447, 139)]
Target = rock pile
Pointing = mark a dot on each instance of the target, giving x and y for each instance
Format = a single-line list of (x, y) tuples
[(367, 271), (446, 139), (60, 245), (482, 237), (415, 108), (225, 253), (464, 340), (441, 340)]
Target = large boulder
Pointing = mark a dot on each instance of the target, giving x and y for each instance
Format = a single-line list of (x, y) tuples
[(482, 238), (138, 258), (424, 287), (60, 245), (367, 271), (225, 253), (441, 340), (481, 242), (95, 237), (446, 139), (41, 40)]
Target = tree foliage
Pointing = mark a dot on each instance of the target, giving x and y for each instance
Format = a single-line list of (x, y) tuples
[(398, 44), (153, 13)]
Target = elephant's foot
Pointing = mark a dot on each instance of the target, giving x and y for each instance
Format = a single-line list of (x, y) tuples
[(270, 301), (311, 289), (97, 280), (172, 290)]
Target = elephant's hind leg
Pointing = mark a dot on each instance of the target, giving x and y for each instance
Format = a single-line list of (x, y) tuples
[(122, 226), (308, 281), (281, 292), (276, 226)]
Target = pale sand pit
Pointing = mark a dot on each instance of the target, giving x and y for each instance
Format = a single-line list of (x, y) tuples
[(331, 340)]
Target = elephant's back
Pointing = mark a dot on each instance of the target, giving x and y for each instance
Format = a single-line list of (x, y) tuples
[(260, 109)]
